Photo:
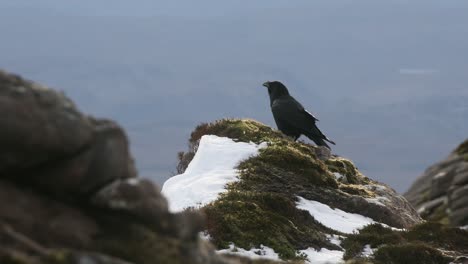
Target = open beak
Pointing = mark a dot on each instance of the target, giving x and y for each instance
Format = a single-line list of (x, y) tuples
[(266, 84)]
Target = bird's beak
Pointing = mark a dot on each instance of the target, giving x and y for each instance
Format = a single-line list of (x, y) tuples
[(266, 84)]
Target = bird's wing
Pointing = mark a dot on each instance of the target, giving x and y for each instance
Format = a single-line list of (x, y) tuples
[(300, 108), (291, 112), (310, 114)]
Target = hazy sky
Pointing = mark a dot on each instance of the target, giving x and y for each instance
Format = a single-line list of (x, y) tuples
[(387, 79)]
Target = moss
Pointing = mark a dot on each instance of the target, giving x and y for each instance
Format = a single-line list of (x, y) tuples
[(439, 235), (355, 189), (245, 130), (299, 161), (347, 169), (438, 214), (373, 235), (423, 240), (360, 261), (410, 254), (462, 150), (250, 219)]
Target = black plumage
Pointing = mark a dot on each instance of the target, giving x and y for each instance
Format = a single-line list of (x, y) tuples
[(291, 117)]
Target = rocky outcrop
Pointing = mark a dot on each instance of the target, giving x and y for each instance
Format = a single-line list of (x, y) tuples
[(265, 206), (69, 191), (441, 193)]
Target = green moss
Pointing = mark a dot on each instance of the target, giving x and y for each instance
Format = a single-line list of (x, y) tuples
[(347, 169), (373, 235), (360, 261), (438, 214), (462, 150), (250, 219), (356, 189), (410, 254), (298, 161), (245, 130), (396, 246), (439, 235)]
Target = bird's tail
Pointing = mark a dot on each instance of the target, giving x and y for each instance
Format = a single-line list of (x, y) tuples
[(320, 139), (321, 142), (329, 140)]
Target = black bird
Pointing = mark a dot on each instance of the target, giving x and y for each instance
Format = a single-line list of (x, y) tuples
[(291, 117)]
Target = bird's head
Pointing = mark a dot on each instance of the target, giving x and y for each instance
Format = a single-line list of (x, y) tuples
[(276, 89)]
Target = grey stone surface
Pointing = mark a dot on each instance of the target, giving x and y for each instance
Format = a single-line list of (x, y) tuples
[(444, 181)]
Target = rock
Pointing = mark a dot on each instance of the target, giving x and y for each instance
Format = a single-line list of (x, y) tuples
[(49, 222), (38, 125), (105, 159), (48, 143), (261, 208), (69, 191), (441, 193)]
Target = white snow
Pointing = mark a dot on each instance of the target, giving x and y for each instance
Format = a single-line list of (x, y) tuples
[(323, 256), (212, 167), (334, 239), (254, 253), (376, 187), (338, 175), (334, 218), (367, 251), (133, 181), (380, 200), (440, 175), (204, 235)]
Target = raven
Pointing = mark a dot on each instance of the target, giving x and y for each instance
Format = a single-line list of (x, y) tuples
[(291, 117)]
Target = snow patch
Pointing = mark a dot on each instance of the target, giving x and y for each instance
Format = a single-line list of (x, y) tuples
[(376, 187), (338, 175), (323, 256), (212, 167), (439, 175), (254, 253), (380, 200), (204, 236), (133, 181), (367, 251), (334, 218), (334, 239)]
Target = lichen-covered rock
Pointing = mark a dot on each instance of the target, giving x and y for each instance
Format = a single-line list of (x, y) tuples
[(261, 208), (441, 193)]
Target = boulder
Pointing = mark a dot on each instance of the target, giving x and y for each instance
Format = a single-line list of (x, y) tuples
[(39, 125), (294, 201), (441, 192)]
